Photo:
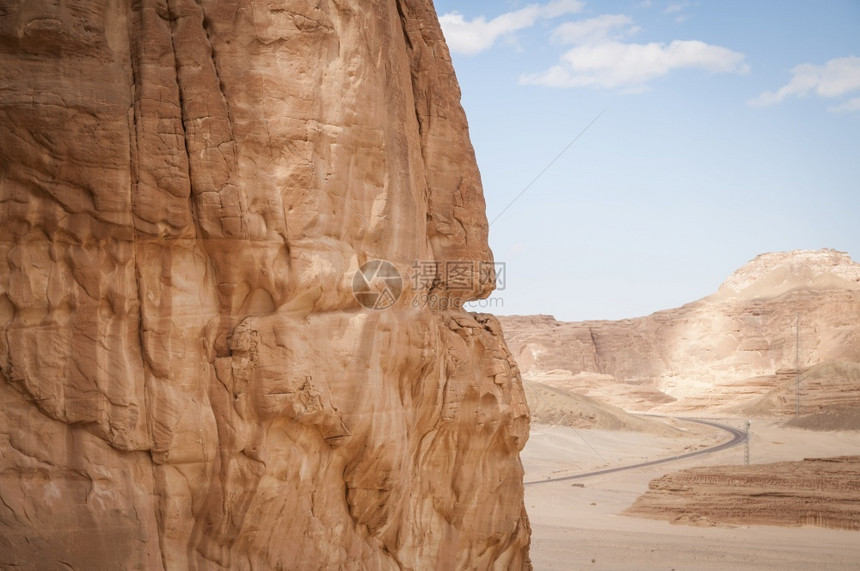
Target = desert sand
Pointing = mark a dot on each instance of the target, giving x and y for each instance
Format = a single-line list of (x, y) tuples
[(580, 524)]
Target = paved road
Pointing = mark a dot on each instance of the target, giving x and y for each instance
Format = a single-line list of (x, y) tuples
[(738, 436)]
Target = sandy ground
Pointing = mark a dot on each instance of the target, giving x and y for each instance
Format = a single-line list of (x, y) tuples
[(577, 524)]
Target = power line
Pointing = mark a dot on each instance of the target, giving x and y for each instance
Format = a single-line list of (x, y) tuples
[(796, 365), (547, 167)]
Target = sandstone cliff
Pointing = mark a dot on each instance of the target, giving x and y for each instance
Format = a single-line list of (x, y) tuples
[(187, 190), (734, 350)]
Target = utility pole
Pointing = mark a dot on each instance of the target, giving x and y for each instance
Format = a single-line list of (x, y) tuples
[(796, 365)]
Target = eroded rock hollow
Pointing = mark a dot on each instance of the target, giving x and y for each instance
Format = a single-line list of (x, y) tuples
[(187, 190)]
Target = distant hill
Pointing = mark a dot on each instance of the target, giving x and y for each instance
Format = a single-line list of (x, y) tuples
[(733, 351), (551, 405)]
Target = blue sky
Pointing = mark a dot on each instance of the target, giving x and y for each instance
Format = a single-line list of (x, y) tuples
[(728, 129)]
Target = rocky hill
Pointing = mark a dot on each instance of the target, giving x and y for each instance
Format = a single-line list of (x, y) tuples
[(735, 350), (190, 376)]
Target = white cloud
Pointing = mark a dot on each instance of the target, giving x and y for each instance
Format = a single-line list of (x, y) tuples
[(471, 37), (601, 58), (613, 64), (835, 78), (606, 27)]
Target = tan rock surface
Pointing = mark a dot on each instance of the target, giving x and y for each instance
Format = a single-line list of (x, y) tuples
[(818, 492), (823, 388), (186, 192), (726, 351)]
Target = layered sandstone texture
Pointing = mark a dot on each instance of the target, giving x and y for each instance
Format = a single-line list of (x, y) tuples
[(816, 492), (781, 318), (187, 380)]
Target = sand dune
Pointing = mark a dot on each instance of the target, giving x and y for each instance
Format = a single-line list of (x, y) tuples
[(558, 406)]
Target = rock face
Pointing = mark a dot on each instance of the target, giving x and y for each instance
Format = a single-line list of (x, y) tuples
[(735, 349), (819, 492), (187, 190)]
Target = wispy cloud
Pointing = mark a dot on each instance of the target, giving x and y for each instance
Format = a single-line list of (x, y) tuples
[(848, 106), (594, 30), (471, 37), (835, 78), (561, 7), (677, 8), (600, 59)]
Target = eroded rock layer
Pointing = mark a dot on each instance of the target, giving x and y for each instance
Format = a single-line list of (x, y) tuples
[(818, 492), (187, 190)]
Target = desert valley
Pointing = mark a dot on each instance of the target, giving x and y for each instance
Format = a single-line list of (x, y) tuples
[(611, 394)]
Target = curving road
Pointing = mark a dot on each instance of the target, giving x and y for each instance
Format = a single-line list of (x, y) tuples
[(738, 436)]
